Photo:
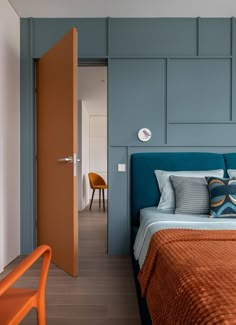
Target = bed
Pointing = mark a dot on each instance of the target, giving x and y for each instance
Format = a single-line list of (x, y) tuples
[(152, 226)]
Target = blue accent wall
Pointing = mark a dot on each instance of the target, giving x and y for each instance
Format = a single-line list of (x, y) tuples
[(92, 35), (199, 90), (153, 37), (137, 90), (175, 76)]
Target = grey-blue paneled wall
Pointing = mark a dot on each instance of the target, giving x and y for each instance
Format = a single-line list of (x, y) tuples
[(137, 89), (92, 35), (175, 76)]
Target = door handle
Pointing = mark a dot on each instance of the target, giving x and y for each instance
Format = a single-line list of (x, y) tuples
[(66, 160)]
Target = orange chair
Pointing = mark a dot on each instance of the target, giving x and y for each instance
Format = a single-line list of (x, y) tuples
[(15, 303), (97, 183)]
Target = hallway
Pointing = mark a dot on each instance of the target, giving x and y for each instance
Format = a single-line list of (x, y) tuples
[(102, 294)]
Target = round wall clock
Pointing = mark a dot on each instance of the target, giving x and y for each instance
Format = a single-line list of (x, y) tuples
[(144, 134)]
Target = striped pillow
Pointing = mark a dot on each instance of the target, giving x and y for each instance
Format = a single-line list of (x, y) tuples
[(191, 195), (222, 197)]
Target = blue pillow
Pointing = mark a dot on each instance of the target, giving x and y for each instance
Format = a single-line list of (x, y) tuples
[(222, 192)]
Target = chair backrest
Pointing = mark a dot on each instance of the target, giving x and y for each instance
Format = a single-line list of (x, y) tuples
[(14, 275), (95, 179), (15, 303)]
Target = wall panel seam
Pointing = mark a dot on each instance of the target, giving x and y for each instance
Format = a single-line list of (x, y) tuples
[(232, 113), (198, 36), (166, 102)]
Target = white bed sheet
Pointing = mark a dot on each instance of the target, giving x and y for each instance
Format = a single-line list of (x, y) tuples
[(153, 220)]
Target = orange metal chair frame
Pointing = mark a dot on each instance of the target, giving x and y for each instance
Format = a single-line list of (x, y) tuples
[(97, 183), (15, 303)]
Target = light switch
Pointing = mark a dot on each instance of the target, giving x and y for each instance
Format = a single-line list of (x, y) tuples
[(121, 167)]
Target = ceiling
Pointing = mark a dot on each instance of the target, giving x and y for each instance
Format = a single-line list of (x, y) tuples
[(124, 8)]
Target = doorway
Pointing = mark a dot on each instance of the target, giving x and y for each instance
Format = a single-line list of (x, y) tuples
[(92, 145)]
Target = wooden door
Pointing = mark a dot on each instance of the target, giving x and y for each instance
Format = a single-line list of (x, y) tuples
[(57, 223)]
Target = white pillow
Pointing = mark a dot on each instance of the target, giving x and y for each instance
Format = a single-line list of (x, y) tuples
[(167, 199), (231, 173)]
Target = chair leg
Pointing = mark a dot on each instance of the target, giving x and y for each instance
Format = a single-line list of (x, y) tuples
[(99, 198), (41, 314), (91, 202), (103, 199)]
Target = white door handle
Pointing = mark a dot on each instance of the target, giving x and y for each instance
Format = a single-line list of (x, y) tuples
[(66, 160)]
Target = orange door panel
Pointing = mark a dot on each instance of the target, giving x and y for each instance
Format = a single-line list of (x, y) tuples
[(57, 223)]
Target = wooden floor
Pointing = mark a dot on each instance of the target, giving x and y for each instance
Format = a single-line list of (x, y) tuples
[(102, 294)]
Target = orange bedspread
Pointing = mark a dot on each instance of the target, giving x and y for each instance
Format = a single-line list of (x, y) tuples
[(189, 277)]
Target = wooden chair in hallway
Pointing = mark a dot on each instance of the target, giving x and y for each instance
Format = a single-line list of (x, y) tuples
[(15, 303), (97, 183)]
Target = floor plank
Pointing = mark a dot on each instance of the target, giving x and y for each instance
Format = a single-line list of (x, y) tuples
[(102, 294)]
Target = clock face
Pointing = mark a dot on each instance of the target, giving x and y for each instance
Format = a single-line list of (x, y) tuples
[(144, 134)]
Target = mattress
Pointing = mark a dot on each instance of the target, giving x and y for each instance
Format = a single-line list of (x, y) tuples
[(153, 220)]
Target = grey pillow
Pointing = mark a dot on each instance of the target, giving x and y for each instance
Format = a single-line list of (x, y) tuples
[(191, 195)]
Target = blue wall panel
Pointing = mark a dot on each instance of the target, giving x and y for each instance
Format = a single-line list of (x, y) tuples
[(219, 149), (27, 153), (92, 35), (136, 93), (199, 89), (152, 36), (215, 36), (201, 134), (118, 234), (233, 69)]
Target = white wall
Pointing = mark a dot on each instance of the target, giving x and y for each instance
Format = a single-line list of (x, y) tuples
[(98, 147), (125, 8), (92, 89), (79, 155), (9, 134), (83, 154)]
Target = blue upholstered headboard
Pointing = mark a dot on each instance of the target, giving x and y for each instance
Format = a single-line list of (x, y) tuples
[(144, 187)]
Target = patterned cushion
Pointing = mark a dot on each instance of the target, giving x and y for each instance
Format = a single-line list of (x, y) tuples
[(222, 197), (191, 195)]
